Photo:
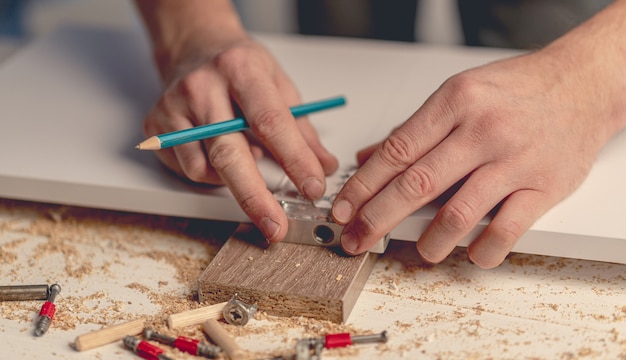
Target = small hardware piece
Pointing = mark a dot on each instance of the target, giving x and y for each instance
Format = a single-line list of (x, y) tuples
[(47, 311), (237, 312), (144, 349), (311, 348), (312, 225), (24, 292), (184, 344), (311, 222)]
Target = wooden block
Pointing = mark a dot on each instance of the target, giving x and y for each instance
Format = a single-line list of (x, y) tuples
[(285, 279)]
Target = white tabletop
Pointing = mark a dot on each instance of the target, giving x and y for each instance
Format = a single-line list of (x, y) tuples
[(74, 102)]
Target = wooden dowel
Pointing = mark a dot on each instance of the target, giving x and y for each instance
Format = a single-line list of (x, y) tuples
[(195, 316), (108, 335), (222, 338)]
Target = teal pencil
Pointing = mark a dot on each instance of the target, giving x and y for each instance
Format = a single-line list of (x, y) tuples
[(202, 132)]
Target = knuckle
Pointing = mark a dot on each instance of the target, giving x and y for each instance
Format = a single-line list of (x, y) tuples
[(249, 203), (197, 171), (397, 149), (231, 57), (507, 233), (465, 87), (188, 88), (234, 61), (268, 124), (417, 182), (457, 215), (366, 224), (223, 156), (358, 184), (427, 254)]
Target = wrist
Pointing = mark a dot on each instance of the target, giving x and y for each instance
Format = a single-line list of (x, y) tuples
[(183, 31), (593, 58)]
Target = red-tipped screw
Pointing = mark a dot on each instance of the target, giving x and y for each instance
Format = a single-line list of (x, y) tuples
[(47, 311)]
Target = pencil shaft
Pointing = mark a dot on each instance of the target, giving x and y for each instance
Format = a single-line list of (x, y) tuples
[(238, 124), (202, 132)]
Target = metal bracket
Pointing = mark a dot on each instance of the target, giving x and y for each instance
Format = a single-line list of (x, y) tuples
[(310, 222), (311, 225)]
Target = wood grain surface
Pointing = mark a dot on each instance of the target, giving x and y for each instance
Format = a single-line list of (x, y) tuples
[(285, 279)]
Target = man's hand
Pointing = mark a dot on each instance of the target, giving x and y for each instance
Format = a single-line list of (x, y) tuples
[(519, 135), (211, 67)]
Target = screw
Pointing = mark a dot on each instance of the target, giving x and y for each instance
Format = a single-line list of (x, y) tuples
[(144, 349), (55, 289), (47, 311), (363, 339), (237, 312), (191, 346), (150, 334)]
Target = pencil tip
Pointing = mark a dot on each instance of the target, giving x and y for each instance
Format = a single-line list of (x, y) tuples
[(151, 143)]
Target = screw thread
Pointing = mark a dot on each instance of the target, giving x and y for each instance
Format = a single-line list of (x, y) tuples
[(208, 350)]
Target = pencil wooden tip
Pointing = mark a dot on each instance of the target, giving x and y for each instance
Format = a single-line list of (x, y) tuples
[(152, 143)]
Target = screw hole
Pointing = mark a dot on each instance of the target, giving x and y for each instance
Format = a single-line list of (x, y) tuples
[(323, 234)]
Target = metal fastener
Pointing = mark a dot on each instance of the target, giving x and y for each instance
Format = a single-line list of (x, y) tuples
[(47, 311), (311, 348), (185, 344), (237, 312), (24, 292), (363, 339), (144, 349)]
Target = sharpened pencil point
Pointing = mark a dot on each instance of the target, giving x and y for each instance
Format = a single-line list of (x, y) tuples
[(152, 143)]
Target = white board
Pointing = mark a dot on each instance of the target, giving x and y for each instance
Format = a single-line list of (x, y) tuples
[(72, 104)]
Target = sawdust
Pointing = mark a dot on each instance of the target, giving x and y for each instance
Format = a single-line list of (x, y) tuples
[(67, 231)]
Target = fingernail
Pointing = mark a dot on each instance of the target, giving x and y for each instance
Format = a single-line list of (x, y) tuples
[(270, 228), (313, 188), (342, 211), (349, 242)]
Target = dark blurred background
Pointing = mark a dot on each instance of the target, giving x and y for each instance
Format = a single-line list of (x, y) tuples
[(525, 24)]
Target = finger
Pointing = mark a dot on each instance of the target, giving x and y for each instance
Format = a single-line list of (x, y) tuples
[(412, 189), (421, 133), (363, 155), (328, 161), (271, 121), (231, 157), (233, 160), (205, 101), (478, 195), (187, 160), (516, 215)]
